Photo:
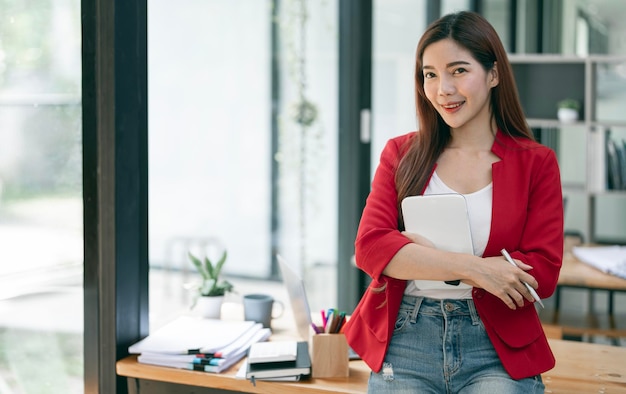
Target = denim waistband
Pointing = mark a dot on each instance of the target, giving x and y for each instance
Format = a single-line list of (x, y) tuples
[(440, 307)]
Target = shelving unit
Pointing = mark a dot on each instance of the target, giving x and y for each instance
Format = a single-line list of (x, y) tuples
[(599, 84)]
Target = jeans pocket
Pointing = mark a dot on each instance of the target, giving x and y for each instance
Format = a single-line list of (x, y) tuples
[(401, 319)]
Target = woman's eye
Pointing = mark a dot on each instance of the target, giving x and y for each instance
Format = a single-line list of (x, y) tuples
[(460, 70), (429, 75)]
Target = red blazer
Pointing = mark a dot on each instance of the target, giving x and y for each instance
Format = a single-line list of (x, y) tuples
[(527, 220)]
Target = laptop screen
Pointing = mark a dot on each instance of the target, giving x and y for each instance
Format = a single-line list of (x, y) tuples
[(297, 298)]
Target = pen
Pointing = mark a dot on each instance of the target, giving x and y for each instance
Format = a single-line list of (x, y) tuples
[(508, 258)]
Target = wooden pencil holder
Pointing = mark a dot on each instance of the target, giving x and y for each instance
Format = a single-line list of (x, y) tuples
[(330, 356)]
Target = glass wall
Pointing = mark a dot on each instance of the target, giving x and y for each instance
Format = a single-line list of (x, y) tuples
[(498, 13), (242, 141), (306, 137), (41, 243), (397, 28), (209, 140), (209, 120)]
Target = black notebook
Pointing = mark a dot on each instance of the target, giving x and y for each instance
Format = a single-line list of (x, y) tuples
[(301, 367)]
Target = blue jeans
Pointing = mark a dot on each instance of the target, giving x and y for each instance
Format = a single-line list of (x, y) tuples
[(440, 346)]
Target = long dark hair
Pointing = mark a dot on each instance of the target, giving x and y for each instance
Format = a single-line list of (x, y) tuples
[(472, 32)]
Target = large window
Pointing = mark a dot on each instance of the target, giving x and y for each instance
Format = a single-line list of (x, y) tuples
[(41, 244), (242, 141), (397, 28), (209, 139)]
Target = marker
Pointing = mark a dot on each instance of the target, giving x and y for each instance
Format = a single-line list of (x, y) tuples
[(330, 315), (317, 330), (508, 258)]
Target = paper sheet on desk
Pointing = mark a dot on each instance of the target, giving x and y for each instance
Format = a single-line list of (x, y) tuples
[(609, 259)]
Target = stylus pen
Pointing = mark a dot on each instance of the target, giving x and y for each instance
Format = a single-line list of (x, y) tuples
[(508, 258)]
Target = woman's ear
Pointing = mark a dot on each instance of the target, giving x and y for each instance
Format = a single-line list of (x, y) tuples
[(493, 75)]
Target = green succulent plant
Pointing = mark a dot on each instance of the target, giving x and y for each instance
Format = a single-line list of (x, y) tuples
[(211, 284), (569, 103)]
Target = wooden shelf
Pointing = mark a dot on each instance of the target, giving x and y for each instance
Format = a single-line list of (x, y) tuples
[(544, 80), (553, 123)]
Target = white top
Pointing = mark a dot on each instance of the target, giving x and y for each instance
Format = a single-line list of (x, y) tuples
[(479, 210)]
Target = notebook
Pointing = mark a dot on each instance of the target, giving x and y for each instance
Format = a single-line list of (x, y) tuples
[(298, 368), (272, 352)]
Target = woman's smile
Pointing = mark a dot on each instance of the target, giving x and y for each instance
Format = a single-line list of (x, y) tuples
[(452, 107)]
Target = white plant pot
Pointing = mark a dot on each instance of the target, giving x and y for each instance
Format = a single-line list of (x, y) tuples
[(567, 115), (209, 307)]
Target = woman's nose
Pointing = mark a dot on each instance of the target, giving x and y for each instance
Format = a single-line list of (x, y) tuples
[(446, 86)]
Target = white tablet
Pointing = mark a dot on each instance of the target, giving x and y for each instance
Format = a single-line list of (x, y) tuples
[(444, 220), (441, 218)]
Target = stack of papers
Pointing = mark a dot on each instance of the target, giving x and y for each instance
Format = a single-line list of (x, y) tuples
[(208, 345), (609, 259)]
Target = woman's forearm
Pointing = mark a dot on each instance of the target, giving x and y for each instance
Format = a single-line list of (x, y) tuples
[(418, 262)]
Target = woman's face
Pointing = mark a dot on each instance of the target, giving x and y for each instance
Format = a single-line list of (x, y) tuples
[(457, 85)]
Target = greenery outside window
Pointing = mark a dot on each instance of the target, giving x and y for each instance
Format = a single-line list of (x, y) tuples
[(41, 244)]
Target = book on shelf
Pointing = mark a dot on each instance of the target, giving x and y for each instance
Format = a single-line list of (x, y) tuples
[(615, 162), (621, 158), (614, 166), (208, 345), (297, 369)]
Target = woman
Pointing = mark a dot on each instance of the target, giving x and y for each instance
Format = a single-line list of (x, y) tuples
[(417, 331)]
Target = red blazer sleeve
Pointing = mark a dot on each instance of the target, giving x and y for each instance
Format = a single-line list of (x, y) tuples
[(378, 238)]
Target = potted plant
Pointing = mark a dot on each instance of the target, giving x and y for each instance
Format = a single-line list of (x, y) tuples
[(568, 110), (211, 289)]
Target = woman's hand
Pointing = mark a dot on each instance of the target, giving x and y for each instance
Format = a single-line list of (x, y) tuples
[(498, 277)]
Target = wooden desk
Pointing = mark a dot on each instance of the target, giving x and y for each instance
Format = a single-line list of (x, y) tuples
[(581, 368), (137, 375), (586, 368), (575, 274)]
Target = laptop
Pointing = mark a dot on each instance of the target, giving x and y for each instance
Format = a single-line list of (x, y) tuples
[(299, 302), (297, 298)]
